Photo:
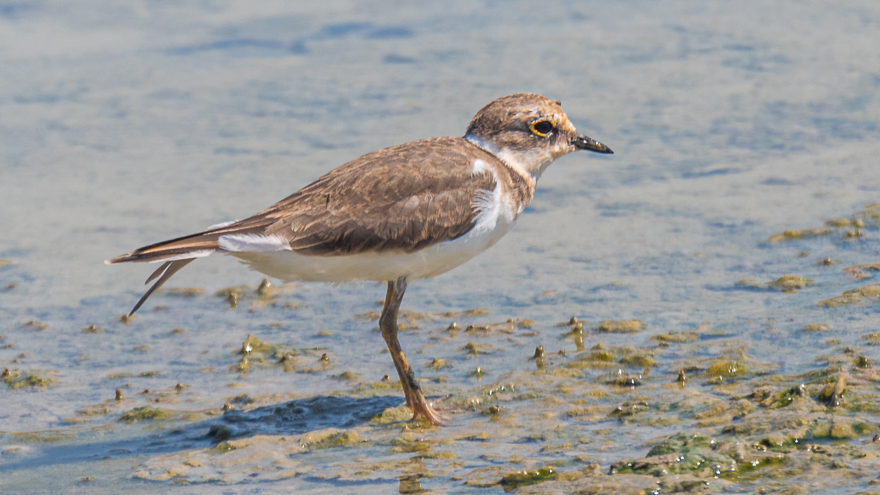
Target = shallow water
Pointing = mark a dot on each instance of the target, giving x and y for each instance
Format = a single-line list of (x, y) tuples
[(127, 124)]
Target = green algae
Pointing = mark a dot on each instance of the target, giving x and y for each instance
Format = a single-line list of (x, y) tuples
[(598, 359), (256, 353), (438, 364), (675, 337), (867, 216), (713, 411), (232, 295), (262, 295), (184, 291), (35, 325), (703, 457), (777, 443), (793, 235), (680, 443), (620, 379), (15, 380), (147, 413), (839, 223), (823, 376), (620, 326), (682, 453), (790, 283), (266, 289), (725, 369), (514, 481), (385, 384), (853, 234), (392, 415), (253, 345), (410, 445), (330, 438), (222, 448), (348, 376), (599, 355), (837, 428), (628, 410), (494, 411), (581, 412), (868, 267), (868, 293), (786, 397), (43, 436), (816, 327), (473, 349), (639, 361), (753, 469)]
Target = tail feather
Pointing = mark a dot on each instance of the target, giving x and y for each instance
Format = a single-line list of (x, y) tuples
[(181, 248), (167, 270), (190, 246), (179, 252), (157, 272)]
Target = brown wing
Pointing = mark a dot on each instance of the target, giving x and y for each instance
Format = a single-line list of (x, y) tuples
[(401, 198)]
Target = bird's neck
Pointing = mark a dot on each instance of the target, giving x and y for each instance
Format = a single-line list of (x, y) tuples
[(528, 164)]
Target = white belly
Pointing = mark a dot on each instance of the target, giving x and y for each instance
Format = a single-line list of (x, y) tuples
[(428, 262)]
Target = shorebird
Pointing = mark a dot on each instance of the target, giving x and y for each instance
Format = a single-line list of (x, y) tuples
[(410, 211)]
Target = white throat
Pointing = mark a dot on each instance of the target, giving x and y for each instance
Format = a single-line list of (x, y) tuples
[(529, 164)]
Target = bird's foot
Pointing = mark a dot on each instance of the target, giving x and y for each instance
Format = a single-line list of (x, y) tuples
[(424, 409)]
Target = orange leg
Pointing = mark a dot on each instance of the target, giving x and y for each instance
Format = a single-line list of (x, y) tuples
[(388, 324)]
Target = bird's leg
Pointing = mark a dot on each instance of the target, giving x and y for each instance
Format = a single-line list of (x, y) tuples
[(388, 324)]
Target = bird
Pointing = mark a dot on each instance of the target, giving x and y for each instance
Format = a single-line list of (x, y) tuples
[(406, 212)]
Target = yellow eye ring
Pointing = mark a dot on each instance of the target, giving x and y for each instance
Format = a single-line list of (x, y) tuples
[(542, 127)]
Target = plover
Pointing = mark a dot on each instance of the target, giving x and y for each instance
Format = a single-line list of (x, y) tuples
[(410, 211)]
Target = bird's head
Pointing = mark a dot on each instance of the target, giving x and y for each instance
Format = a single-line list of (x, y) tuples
[(528, 131)]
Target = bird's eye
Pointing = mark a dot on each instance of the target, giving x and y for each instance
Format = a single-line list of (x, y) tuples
[(542, 127)]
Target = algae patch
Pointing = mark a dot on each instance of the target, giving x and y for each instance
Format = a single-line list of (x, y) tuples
[(792, 235), (866, 217), (620, 326), (866, 294), (675, 337), (788, 284), (519, 479), (147, 413), (725, 369), (15, 380)]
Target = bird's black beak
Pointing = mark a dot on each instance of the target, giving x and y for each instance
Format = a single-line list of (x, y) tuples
[(584, 143)]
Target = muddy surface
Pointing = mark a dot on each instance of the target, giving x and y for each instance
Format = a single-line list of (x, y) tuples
[(698, 313)]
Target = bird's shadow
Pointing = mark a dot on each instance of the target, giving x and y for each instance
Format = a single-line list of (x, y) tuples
[(291, 418), (300, 416)]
